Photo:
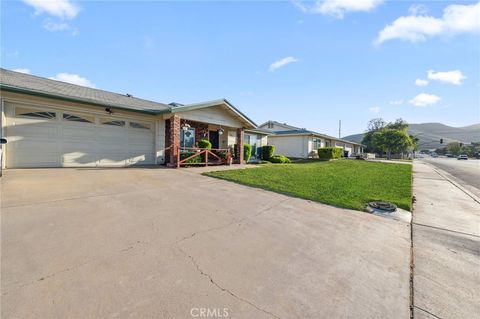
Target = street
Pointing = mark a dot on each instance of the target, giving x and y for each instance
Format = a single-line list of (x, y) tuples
[(466, 173)]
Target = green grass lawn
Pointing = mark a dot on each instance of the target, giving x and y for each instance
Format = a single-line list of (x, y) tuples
[(343, 183)]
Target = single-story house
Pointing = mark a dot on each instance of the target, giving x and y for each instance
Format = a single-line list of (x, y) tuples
[(296, 142), (257, 138), (50, 123)]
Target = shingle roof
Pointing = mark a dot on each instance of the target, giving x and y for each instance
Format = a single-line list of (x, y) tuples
[(26, 83), (307, 132)]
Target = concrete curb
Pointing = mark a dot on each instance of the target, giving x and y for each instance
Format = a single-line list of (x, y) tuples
[(451, 179)]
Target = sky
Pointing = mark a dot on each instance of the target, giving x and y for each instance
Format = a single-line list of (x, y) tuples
[(306, 63)]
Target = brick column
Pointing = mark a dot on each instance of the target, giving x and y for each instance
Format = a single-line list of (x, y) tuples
[(239, 154), (174, 138)]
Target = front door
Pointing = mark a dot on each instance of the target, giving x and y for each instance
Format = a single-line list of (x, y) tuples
[(213, 138)]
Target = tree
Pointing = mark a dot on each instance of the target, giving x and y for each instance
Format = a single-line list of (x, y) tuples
[(392, 141), (374, 125), (399, 124), (453, 148), (377, 145)]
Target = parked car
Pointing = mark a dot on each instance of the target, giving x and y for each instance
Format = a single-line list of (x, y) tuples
[(434, 154), (2, 141), (462, 157)]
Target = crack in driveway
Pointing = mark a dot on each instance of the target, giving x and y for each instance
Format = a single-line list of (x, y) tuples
[(225, 289), (239, 222)]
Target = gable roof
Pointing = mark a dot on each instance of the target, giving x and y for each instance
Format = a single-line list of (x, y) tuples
[(177, 107), (30, 84), (287, 126), (38, 86), (302, 131)]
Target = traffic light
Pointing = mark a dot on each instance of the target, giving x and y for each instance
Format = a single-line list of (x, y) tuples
[(441, 141)]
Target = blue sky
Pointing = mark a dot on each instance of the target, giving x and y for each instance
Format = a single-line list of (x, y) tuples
[(309, 64)]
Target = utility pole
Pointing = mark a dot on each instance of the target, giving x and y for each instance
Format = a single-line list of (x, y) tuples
[(339, 128)]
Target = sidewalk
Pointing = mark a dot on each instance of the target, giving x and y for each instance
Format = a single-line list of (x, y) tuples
[(446, 246)]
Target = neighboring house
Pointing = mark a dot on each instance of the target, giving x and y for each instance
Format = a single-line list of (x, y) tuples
[(298, 142), (257, 138), (55, 124)]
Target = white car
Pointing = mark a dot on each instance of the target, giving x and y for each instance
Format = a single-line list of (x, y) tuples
[(462, 157)]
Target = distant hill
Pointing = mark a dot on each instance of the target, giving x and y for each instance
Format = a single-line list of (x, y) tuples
[(431, 133)]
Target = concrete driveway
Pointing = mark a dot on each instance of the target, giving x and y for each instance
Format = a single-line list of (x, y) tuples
[(164, 243)]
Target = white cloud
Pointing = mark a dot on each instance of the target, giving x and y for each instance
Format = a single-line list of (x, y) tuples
[(55, 26), (420, 82), (337, 8), (452, 77), (424, 99), (396, 102), (281, 63), (73, 78), (418, 27), (418, 9), (63, 9), (21, 70), (374, 109)]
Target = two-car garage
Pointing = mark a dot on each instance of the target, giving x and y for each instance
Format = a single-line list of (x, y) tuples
[(40, 136)]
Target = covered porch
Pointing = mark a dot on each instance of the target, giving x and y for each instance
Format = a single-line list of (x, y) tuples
[(218, 122)]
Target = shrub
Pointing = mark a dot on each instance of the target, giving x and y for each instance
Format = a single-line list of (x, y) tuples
[(330, 152), (267, 152), (247, 152), (282, 159), (205, 144), (184, 155)]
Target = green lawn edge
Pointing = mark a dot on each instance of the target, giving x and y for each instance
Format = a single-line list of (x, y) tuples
[(357, 200)]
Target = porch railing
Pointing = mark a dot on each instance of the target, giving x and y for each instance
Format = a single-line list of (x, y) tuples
[(214, 156)]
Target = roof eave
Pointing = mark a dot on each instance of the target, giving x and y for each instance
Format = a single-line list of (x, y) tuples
[(190, 107), (76, 100)]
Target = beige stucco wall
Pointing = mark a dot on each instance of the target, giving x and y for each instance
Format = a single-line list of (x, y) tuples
[(290, 146)]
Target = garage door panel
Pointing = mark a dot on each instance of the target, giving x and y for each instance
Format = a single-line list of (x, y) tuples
[(79, 132), (34, 130), (141, 159), (113, 160), (34, 145), (75, 159), (36, 142), (24, 158)]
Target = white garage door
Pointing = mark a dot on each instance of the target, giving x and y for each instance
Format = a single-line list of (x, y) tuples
[(41, 137)]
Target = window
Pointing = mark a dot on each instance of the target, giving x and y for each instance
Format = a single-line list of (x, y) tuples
[(317, 143), (78, 118), (187, 137), (113, 122), (144, 126), (20, 111), (270, 125)]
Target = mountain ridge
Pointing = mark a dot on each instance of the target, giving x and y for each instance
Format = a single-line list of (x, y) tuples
[(429, 134)]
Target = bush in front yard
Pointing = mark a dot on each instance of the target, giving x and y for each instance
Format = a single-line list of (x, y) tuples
[(330, 152), (282, 159), (205, 144), (247, 152), (267, 152), (184, 155)]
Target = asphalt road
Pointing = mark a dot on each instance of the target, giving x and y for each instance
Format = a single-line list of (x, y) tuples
[(467, 172)]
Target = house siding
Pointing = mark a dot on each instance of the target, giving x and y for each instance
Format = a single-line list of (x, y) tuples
[(290, 146)]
